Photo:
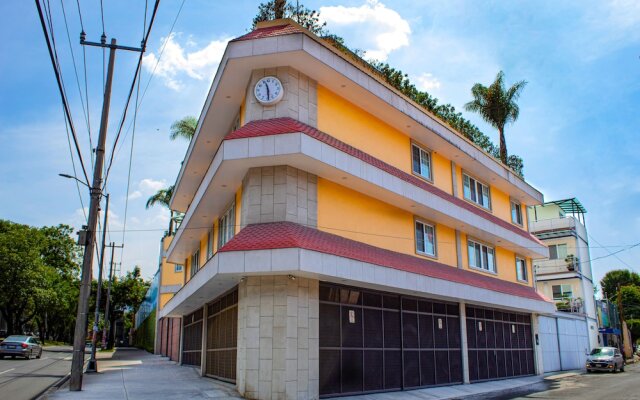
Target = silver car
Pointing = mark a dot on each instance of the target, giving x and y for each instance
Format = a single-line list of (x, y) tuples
[(21, 346), (605, 359)]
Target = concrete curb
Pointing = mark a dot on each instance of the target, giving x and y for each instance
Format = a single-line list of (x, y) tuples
[(57, 385)]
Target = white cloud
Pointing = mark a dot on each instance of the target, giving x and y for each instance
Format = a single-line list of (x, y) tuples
[(150, 186), (426, 81), (176, 62), (382, 29), (135, 195)]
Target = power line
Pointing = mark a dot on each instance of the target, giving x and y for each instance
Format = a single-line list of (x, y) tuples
[(610, 253), (131, 89), (63, 96)]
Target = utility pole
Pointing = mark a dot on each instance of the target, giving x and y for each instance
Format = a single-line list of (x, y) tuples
[(77, 363), (621, 315), (107, 324), (75, 383), (92, 366)]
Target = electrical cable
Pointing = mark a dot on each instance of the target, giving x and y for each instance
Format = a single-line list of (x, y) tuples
[(73, 165), (131, 89), (65, 104)]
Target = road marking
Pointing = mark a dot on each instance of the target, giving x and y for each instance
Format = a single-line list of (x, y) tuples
[(6, 371)]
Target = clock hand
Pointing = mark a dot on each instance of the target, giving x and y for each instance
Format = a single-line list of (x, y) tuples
[(268, 95)]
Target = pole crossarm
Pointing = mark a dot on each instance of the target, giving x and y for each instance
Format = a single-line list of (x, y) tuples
[(113, 46)]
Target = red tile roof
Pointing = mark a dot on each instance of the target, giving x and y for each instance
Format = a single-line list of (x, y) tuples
[(278, 126), (269, 31), (283, 235)]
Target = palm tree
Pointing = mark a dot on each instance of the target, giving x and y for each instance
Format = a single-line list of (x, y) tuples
[(497, 106), (184, 128)]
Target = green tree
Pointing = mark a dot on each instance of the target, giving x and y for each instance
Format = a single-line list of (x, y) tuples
[(126, 295), (618, 278), (630, 295), (277, 9), (39, 270), (497, 106)]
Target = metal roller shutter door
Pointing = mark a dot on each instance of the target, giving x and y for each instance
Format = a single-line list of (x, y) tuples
[(192, 338), (222, 337), (374, 341)]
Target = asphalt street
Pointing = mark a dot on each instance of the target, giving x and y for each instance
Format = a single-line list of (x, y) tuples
[(602, 385), (22, 379)]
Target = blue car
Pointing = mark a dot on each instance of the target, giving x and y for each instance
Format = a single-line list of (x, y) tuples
[(20, 346)]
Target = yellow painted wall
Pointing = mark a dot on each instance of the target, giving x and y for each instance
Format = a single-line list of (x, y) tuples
[(238, 208), (164, 299), (350, 214), (505, 263), (442, 172), (501, 204), (547, 287)]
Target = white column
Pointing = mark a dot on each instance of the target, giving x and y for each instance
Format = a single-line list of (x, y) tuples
[(537, 349), (464, 347)]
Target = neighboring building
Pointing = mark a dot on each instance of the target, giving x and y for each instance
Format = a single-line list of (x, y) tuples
[(339, 239), (609, 323), (565, 276), (172, 278)]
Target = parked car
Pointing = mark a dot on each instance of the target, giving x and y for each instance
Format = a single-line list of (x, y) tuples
[(605, 359), (25, 346)]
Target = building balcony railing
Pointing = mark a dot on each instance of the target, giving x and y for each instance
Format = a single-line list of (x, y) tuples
[(568, 264), (542, 226), (570, 305)]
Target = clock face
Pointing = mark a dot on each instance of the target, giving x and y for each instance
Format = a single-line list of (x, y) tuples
[(268, 90)]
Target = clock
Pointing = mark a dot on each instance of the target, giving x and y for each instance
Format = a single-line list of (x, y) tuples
[(268, 90)]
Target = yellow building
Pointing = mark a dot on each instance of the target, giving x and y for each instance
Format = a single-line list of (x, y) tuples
[(339, 239)]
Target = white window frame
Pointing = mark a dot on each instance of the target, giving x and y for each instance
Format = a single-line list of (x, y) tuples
[(227, 225), (516, 207), (424, 239), (470, 189), (557, 254), (562, 292), (195, 262), (178, 268), (486, 255), (209, 244), (423, 155), (521, 269)]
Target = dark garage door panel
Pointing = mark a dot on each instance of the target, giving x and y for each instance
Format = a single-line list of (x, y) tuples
[(373, 341)]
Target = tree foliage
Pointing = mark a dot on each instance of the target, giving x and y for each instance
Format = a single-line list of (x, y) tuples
[(618, 278), (630, 295), (127, 294), (184, 128), (277, 9), (39, 278)]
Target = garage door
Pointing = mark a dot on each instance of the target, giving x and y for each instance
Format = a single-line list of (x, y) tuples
[(500, 344), (192, 338), (564, 343), (222, 337), (373, 341)]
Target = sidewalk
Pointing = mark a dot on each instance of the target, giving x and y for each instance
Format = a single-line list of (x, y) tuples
[(135, 374)]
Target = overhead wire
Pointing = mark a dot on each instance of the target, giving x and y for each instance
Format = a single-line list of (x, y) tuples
[(133, 136), (131, 89), (56, 70), (86, 84), (85, 111)]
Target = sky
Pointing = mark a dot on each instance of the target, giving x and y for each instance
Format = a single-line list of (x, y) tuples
[(577, 131)]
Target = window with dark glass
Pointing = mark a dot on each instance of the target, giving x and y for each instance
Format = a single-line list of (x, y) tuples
[(209, 244), (421, 161), (195, 262), (557, 251), (561, 292), (476, 191), (425, 238)]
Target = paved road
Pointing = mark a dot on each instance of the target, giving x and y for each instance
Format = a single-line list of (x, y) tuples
[(22, 379), (594, 386)]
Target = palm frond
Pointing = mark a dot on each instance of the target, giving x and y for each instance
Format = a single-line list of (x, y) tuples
[(184, 128)]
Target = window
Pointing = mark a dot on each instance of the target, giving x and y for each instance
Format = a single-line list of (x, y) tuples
[(561, 292), (210, 244), (516, 212), (226, 226), (177, 268), (421, 162), (557, 252), (195, 262), (521, 269), (481, 256), (476, 191), (425, 238)]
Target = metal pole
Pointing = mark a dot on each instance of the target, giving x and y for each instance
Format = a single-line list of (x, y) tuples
[(75, 382), (107, 324), (92, 366)]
